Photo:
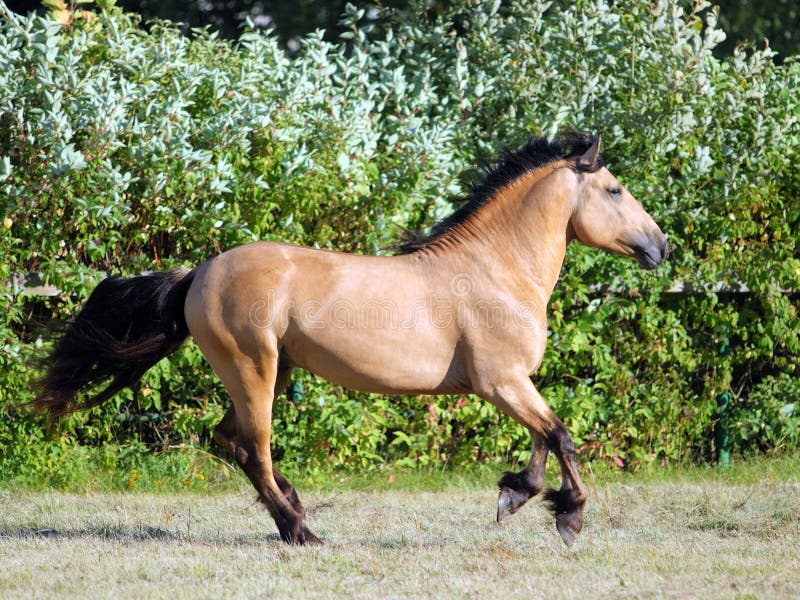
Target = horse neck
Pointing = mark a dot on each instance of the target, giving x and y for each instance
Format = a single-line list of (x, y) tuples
[(521, 234)]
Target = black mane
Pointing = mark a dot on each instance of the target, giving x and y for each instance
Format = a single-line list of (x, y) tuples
[(513, 164)]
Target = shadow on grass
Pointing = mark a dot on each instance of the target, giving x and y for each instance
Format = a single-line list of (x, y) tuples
[(146, 533), (142, 533)]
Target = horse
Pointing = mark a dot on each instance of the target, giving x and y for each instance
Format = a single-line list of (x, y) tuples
[(459, 310)]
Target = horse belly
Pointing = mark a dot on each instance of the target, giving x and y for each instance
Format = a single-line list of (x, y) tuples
[(371, 362)]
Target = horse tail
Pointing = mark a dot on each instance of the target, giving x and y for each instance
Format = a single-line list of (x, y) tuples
[(125, 327)]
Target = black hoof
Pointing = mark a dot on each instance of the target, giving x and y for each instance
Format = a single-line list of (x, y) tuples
[(301, 536), (515, 490), (568, 512), (567, 527), (306, 537), (510, 501)]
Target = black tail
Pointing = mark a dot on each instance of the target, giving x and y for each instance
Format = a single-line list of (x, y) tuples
[(125, 327)]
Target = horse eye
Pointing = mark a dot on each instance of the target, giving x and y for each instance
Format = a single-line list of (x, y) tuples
[(615, 191)]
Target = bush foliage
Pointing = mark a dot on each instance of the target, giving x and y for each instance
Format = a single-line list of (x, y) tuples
[(124, 148)]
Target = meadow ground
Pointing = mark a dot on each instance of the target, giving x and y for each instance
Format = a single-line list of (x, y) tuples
[(687, 534)]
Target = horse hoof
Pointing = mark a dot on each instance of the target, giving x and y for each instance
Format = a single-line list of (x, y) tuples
[(504, 504), (566, 529), (305, 537), (301, 537)]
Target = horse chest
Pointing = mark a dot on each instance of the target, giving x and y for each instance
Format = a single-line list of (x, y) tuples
[(513, 346)]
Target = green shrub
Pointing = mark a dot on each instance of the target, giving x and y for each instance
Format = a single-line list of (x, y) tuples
[(123, 150), (769, 417)]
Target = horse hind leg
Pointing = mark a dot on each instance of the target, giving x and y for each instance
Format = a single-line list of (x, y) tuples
[(251, 383), (254, 457), (225, 432), (275, 492), (291, 495), (225, 436)]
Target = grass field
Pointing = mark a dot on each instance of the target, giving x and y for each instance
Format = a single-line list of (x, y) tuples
[(686, 534)]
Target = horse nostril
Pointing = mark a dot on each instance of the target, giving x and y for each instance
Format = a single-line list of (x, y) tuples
[(666, 250), (663, 248)]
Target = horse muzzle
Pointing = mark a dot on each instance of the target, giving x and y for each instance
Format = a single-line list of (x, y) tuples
[(651, 251)]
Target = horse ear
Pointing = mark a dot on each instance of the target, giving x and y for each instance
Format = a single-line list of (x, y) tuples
[(589, 158)]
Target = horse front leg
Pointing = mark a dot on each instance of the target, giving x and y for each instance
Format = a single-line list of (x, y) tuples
[(516, 488), (566, 503), (520, 399)]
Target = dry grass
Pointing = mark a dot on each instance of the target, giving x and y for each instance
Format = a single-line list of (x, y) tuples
[(666, 539)]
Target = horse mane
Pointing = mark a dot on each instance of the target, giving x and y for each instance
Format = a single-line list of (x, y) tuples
[(537, 152)]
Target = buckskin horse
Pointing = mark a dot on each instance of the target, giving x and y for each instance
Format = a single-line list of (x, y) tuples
[(460, 310)]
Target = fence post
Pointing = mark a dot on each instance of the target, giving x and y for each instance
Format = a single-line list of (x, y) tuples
[(295, 393), (722, 432)]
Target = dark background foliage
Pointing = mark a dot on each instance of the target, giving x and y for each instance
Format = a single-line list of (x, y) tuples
[(744, 21)]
